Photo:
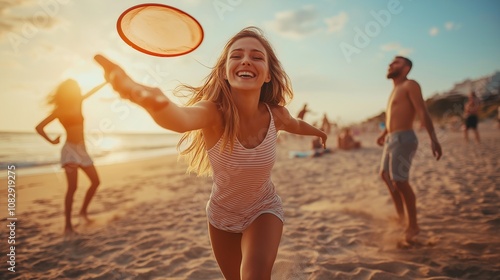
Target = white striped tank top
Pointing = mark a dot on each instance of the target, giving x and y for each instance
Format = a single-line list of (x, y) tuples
[(242, 188)]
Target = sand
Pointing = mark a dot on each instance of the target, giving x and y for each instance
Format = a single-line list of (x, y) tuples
[(150, 218)]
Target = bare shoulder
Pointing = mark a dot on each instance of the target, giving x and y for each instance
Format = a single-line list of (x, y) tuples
[(207, 104), (412, 88), (207, 112), (210, 107), (281, 115), (278, 109), (411, 85)]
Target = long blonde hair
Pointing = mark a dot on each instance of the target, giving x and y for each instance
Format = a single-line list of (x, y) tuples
[(217, 89), (66, 93)]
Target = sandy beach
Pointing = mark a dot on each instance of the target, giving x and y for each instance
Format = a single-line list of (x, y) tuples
[(150, 218)]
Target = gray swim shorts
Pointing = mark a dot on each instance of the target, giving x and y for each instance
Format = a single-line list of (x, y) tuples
[(399, 149)]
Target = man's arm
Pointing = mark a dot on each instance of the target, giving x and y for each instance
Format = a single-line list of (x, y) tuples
[(415, 95)]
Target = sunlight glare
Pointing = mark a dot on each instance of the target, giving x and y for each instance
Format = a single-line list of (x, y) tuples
[(90, 79), (110, 143)]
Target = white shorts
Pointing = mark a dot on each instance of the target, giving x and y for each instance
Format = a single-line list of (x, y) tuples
[(75, 154)]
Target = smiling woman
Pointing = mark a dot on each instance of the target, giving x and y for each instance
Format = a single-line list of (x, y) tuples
[(230, 127)]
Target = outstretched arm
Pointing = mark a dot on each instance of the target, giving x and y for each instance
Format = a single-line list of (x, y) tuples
[(39, 128), (163, 111), (181, 119), (285, 121), (94, 90), (415, 94)]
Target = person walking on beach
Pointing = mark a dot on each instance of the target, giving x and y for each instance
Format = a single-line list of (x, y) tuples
[(498, 117), (471, 110), (230, 125), (326, 126), (303, 112), (405, 102), (67, 101)]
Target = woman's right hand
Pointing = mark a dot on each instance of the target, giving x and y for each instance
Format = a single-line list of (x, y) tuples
[(147, 97), (115, 75)]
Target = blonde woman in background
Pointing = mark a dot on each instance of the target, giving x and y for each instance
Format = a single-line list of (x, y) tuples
[(67, 101)]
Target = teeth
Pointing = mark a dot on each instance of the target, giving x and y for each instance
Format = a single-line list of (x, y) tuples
[(245, 74)]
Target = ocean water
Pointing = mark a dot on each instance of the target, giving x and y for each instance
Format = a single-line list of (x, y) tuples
[(34, 155)]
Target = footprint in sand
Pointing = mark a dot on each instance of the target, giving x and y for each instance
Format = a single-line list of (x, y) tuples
[(417, 242), (96, 222)]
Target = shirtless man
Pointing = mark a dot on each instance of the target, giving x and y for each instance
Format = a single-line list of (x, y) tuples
[(401, 143), (471, 110)]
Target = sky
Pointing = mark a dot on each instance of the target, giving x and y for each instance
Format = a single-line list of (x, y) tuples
[(336, 53)]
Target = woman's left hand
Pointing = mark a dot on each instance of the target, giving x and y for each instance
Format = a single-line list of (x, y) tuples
[(57, 140), (323, 139)]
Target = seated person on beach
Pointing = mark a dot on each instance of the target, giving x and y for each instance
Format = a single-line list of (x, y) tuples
[(318, 149), (345, 141)]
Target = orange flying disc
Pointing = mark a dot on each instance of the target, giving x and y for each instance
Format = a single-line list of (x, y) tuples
[(159, 30)]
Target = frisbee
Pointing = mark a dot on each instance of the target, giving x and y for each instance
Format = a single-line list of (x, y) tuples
[(159, 30)]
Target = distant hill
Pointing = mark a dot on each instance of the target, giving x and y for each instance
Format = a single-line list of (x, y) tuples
[(485, 87), (450, 104)]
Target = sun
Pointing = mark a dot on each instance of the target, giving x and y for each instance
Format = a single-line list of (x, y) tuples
[(90, 79)]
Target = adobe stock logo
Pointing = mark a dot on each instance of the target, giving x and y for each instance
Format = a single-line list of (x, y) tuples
[(223, 6), (362, 37)]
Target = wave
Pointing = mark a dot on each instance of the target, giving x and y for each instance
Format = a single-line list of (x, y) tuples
[(29, 164), (28, 151)]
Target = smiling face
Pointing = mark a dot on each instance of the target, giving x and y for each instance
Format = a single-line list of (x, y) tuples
[(247, 66)]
